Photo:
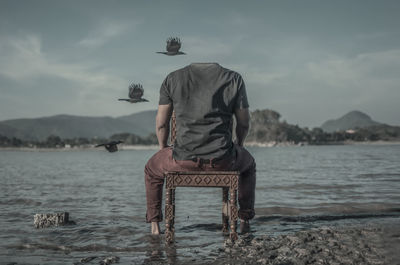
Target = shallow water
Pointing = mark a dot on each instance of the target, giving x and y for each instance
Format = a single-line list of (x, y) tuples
[(297, 188)]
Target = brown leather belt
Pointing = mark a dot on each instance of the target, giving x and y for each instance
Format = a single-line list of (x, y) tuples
[(205, 161), (200, 160)]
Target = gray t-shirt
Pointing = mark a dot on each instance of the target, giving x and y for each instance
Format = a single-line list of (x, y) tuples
[(204, 97)]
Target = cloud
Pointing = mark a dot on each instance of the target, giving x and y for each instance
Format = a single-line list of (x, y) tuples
[(372, 71), (107, 31), (24, 62), (367, 82), (262, 77), (314, 88), (17, 55)]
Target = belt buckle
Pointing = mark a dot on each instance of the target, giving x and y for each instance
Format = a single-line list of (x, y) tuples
[(202, 161)]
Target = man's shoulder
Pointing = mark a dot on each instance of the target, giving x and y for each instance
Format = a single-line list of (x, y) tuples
[(231, 72)]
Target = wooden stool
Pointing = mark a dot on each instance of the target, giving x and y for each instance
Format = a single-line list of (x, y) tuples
[(227, 180)]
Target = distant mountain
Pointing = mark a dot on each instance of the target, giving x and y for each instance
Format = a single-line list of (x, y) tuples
[(266, 127), (145, 121), (352, 120), (68, 126)]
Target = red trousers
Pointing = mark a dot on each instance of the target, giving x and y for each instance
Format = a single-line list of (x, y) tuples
[(163, 161)]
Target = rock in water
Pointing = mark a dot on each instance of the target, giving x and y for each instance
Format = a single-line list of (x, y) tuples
[(85, 260), (47, 220), (109, 260)]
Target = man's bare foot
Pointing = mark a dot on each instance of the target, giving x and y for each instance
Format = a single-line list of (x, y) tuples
[(244, 226), (155, 228)]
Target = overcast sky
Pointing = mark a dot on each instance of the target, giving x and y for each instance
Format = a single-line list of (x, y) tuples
[(308, 60)]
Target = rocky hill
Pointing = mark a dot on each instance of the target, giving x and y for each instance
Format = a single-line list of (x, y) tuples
[(68, 126), (266, 127), (352, 120)]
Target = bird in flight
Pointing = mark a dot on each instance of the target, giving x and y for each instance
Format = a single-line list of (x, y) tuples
[(135, 94), (173, 46), (110, 146)]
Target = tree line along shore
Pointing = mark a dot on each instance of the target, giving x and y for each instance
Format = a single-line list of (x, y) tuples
[(266, 130)]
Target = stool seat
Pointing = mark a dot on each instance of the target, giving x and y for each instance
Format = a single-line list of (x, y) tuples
[(227, 180)]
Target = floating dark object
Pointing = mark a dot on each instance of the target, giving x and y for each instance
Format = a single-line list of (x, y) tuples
[(103, 261), (111, 146), (47, 220), (135, 94), (173, 46)]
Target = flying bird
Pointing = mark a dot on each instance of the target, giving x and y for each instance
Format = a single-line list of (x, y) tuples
[(135, 94), (173, 46), (110, 146)]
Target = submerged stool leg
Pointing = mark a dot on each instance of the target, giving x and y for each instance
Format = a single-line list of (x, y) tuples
[(225, 210), (227, 180), (233, 213), (169, 215)]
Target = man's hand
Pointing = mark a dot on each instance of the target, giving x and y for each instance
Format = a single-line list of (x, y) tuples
[(243, 124), (162, 124)]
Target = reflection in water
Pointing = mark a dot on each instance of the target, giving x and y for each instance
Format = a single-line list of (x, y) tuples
[(158, 251), (171, 254), (154, 250)]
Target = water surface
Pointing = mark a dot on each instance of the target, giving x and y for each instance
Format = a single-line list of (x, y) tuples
[(297, 188)]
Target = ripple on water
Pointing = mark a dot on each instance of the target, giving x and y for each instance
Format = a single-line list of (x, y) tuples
[(297, 188)]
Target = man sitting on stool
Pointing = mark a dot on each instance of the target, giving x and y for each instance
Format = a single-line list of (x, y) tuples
[(204, 96)]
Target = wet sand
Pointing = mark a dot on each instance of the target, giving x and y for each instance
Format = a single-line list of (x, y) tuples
[(327, 245)]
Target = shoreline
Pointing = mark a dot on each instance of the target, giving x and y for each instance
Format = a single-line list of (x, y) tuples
[(155, 147), (74, 149), (291, 144)]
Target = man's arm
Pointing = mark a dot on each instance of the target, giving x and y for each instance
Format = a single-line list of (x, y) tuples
[(162, 124), (242, 124)]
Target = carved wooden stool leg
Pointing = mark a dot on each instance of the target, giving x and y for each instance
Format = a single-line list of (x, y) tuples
[(169, 215), (233, 213), (225, 210)]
